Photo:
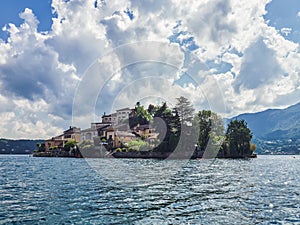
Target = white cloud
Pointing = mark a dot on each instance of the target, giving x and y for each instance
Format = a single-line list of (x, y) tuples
[(42, 73), (259, 67), (286, 31)]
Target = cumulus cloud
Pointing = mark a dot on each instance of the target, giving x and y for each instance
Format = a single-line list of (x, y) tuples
[(100, 55), (258, 68), (31, 69), (286, 31)]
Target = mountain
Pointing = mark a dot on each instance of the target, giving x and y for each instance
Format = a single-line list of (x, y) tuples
[(274, 124), (8, 146), (275, 130)]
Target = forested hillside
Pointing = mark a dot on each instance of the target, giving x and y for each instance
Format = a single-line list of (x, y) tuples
[(8, 146)]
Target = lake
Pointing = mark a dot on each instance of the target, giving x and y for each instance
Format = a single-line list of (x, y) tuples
[(139, 191)]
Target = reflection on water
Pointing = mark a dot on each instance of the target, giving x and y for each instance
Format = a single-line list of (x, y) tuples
[(69, 191)]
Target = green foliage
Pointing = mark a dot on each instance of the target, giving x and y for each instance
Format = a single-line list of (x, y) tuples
[(86, 145), (211, 127), (137, 145), (238, 136), (168, 126), (185, 110), (53, 148), (144, 137), (8, 146), (163, 147), (118, 150), (141, 116), (41, 147), (173, 142), (70, 144)]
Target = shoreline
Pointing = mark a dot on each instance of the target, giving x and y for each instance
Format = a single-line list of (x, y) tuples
[(97, 153)]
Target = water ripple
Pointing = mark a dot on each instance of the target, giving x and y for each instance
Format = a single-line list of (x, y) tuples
[(68, 191)]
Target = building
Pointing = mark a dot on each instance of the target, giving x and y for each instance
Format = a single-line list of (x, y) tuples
[(123, 114), (117, 135), (55, 141), (111, 118), (72, 134), (88, 134), (118, 117), (93, 131), (122, 137)]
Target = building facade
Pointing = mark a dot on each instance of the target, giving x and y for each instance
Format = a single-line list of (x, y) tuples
[(72, 134)]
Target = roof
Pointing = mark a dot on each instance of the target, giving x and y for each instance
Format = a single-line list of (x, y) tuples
[(142, 127), (109, 115), (59, 137), (88, 130), (104, 126), (109, 128), (127, 108), (72, 130), (96, 123), (124, 134), (122, 127)]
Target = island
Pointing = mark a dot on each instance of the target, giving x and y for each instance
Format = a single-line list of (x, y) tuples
[(157, 132)]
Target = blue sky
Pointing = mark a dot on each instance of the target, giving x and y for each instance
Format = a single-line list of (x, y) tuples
[(10, 10), (283, 14), (67, 62)]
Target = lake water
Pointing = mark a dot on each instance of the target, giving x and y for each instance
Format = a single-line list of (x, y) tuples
[(265, 190)]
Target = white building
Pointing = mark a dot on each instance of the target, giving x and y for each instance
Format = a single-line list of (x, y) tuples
[(111, 118), (90, 133), (118, 117), (123, 114)]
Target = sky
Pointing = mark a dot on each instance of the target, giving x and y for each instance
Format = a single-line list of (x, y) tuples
[(66, 62)]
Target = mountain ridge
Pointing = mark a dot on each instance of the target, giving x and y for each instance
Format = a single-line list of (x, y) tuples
[(275, 131), (274, 123), (18, 146)]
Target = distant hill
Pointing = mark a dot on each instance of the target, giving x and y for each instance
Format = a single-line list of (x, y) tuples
[(279, 128), (274, 124), (8, 146)]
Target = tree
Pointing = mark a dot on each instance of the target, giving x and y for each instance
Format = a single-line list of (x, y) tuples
[(141, 116), (41, 147), (151, 109), (69, 145), (185, 110), (238, 136), (211, 127), (86, 145), (252, 148), (188, 134), (168, 127)]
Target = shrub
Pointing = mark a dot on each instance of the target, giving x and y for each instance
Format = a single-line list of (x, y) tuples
[(118, 150), (137, 145)]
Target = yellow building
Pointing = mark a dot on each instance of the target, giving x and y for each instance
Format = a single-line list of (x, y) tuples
[(72, 134)]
